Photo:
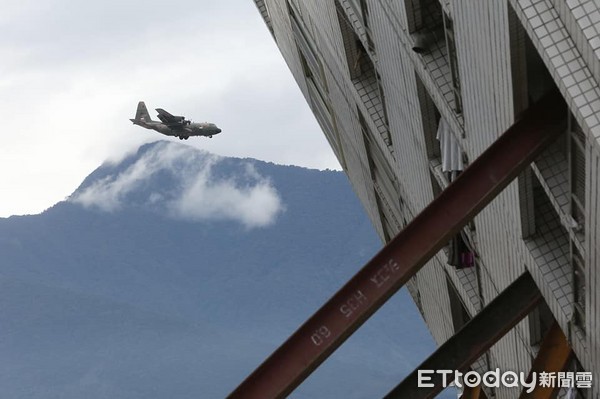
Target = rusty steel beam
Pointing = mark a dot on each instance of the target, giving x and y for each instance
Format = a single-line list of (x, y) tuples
[(554, 356), (473, 340), (398, 261)]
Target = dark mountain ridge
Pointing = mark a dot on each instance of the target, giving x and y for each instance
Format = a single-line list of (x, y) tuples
[(174, 272)]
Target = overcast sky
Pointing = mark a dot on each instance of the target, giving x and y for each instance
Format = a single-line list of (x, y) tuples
[(73, 71)]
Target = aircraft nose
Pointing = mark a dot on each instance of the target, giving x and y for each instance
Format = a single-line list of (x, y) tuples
[(218, 130)]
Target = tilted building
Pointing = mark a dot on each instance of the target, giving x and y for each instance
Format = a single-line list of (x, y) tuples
[(410, 92)]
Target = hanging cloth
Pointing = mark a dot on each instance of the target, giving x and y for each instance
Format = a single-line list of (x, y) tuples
[(450, 150)]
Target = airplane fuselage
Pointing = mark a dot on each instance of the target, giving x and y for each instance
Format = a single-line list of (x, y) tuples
[(172, 125), (183, 132)]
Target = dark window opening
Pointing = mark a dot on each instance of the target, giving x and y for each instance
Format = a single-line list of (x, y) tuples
[(527, 211), (453, 61), (459, 313), (305, 67), (355, 51), (435, 186), (539, 80), (531, 79), (432, 33), (430, 117), (424, 15), (311, 61), (365, 16), (557, 256), (384, 181), (360, 9), (441, 144), (540, 321), (578, 287), (577, 163), (365, 79), (549, 229)]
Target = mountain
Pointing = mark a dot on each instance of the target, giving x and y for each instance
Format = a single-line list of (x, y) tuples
[(175, 272)]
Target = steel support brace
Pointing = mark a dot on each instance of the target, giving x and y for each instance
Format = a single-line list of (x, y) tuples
[(553, 357), (398, 261), (472, 341)]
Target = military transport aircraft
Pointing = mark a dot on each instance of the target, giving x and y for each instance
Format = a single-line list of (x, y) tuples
[(172, 125)]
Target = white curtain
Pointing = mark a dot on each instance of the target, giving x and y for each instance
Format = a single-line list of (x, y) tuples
[(451, 154)]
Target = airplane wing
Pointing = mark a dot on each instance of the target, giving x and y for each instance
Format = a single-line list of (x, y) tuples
[(170, 120)]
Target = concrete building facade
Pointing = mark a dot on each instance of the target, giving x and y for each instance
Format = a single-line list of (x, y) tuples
[(410, 92)]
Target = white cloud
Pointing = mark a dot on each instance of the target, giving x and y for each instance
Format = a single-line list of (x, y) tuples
[(108, 193), (198, 194), (254, 205)]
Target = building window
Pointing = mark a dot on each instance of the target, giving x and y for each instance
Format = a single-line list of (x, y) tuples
[(413, 288), (305, 45), (459, 313), (577, 163), (358, 11), (316, 83), (355, 51), (452, 61), (424, 16), (312, 67), (429, 117), (446, 161), (540, 321), (577, 172), (526, 203), (531, 79), (578, 287), (432, 33), (384, 131), (263, 8), (384, 181), (550, 242), (365, 16), (364, 77)]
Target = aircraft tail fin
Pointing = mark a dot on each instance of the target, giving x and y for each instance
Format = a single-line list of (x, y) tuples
[(142, 113)]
